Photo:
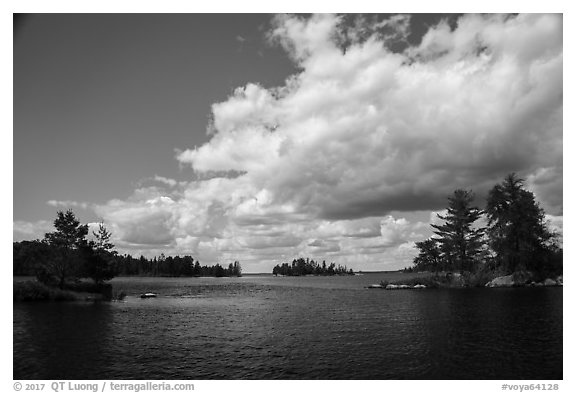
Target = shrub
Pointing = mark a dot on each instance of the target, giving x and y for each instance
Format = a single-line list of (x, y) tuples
[(480, 277), (34, 290)]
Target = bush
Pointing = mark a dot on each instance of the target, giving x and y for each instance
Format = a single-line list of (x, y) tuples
[(34, 290), (480, 277)]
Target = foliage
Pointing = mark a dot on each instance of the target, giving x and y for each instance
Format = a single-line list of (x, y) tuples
[(430, 256), (34, 290), (303, 267), (518, 237), (171, 266), (517, 228), (98, 256), (27, 257), (65, 253), (69, 234), (235, 269), (459, 242), (481, 276)]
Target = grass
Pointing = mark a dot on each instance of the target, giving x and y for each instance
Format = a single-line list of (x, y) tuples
[(35, 291), (481, 277)]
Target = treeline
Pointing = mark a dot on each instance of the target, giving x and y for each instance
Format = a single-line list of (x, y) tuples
[(303, 267), (66, 255), (514, 237), (168, 266)]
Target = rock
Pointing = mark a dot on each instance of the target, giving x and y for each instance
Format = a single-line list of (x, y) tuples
[(374, 286), (392, 286), (501, 282), (403, 286), (515, 279), (148, 295), (549, 282), (419, 286), (560, 280)]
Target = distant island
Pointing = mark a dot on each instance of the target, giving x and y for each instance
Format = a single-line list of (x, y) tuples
[(304, 267)]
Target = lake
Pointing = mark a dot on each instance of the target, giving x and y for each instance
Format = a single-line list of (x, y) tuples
[(265, 327)]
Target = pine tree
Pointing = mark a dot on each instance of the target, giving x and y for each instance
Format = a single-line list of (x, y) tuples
[(459, 241), (66, 242), (430, 257), (98, 257), (516, 226)]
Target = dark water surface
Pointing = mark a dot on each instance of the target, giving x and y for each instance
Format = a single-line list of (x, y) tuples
[(262, 327)]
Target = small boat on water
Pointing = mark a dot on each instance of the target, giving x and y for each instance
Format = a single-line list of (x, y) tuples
[(148, 295)]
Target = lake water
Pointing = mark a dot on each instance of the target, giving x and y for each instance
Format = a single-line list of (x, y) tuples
[(264, 327)]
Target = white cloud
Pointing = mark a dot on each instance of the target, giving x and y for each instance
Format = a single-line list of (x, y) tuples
[(68, 204), (23, 230), (165, 180), (319, 163)]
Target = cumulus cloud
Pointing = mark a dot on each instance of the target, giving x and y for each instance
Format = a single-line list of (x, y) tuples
[(319, 163), (23, 230), (68, 204)]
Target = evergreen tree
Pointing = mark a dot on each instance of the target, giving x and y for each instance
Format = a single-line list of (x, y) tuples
[(459, 241), (98, 257), (430, 257), (516, 226), (66, 243), (237, 269)]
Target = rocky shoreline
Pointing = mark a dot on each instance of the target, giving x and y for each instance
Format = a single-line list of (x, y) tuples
[(457, 280), (523, 279)]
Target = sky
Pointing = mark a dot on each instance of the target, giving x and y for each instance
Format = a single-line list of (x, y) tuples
[(262, 138)]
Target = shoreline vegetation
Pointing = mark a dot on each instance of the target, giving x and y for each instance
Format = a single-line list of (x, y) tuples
[(34, 290), (67, 266), (506, 244)]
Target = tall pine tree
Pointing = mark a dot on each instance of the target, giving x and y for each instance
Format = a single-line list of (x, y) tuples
[(459, 241), (66, 244), (98, 258)]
